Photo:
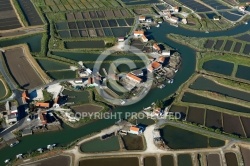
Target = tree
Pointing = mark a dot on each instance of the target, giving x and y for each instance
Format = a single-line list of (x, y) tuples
[(159, 104)]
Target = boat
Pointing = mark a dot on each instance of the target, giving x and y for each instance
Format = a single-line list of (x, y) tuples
[(245, 23), (176, 25), (171, 81), (19, 156), (40, 150), (14, 143), (122, 102), (6, 161), (206, 32), (148, 27), (161, 86), (176, 71), (158, 25)]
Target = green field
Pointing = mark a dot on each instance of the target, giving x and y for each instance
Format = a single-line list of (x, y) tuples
[(48, 64), (2, 90)]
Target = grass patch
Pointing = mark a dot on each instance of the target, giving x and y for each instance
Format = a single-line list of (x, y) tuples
[(77, 97), (236, 59), (50, 65)]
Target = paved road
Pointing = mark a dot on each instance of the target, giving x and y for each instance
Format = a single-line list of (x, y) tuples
[(6, 131), (51, 83), (12, 86), (152, 150)]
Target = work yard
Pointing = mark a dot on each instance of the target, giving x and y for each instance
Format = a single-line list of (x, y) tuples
[(101, 23), (213, 159), (8, 17), (69, 5), (236, 128), (3, 90), (30, 12), (231, 159), (94, 28), (196, 115), (94, 14), (179, 109), (215, 119), (22, 68), (237, 44), (58, 160)]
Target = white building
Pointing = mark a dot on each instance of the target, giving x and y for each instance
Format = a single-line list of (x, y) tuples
[(149, 20), (78, 81), (156, 134), (184, 21), (88, 71), (165, 53), (242, 8), (120, 39), (216, 18)]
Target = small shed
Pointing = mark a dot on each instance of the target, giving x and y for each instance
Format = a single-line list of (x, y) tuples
[(26, 132)]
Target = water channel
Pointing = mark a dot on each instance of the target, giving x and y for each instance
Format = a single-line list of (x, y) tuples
[(64, 137)]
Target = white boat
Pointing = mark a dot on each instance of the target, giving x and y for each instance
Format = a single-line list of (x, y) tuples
[(206, 32), (13, 144), (148, 27), (122, 102), (7, 161), (40, 150), (176, 25), (246, 23), (161, 86), (51, 146), (171, 81), (176, 71), (19, 156), (158, 25)]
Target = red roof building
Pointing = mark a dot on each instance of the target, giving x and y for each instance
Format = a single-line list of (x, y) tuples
[(43, 105), (134, 78), (156, 47)]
